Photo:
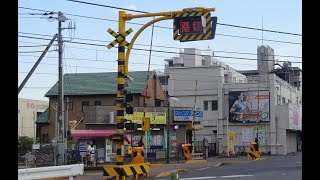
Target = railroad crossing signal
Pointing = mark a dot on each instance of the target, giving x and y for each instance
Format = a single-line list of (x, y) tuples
[(119, 38), (193, 26)]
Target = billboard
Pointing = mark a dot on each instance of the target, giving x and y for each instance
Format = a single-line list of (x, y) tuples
[(295, 114), (249, 106), (250, 133), (187, 115), (155, 117)]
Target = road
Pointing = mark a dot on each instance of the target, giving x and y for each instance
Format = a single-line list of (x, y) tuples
[(274, 167)]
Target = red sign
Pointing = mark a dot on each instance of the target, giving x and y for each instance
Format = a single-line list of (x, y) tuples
[(187, 25)]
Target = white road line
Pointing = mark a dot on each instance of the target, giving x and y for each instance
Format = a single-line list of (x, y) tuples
[(232, 176), (209, 177), (203, 168)]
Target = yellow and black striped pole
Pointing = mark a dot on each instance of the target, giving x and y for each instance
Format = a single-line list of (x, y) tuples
[(120, 92)]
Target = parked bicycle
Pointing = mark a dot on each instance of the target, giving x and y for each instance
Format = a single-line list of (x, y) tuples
[(241, 151)]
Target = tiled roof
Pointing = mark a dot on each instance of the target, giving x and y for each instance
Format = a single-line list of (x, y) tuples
[(44, 117), (99, 83)]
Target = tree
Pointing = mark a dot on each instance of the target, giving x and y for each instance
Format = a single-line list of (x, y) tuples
[(25, 143)]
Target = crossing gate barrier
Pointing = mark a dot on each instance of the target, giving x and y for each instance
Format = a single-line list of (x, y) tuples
[(122, 171), (187, 149), (254, 154)]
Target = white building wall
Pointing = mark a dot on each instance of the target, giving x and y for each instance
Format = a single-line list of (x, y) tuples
[(212, 84), (27, 115)]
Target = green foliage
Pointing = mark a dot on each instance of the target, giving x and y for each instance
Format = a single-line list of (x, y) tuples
[(25, 143)]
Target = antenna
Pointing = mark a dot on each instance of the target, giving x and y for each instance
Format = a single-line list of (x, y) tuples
[(262, 30)]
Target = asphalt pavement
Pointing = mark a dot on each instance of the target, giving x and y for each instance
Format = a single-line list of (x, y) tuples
[(270, 167)]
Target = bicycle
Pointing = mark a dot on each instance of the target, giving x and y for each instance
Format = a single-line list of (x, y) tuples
[(241, 151)]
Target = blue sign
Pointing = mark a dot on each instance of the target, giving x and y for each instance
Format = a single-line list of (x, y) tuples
[(187, 115)]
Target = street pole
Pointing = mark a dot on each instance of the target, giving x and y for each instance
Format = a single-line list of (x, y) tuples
[(34, 128), (120, 91), (168, 132), (61, 18), (194, 116), (66, 125)]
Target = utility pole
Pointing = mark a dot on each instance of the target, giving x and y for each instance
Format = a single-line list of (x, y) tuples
[(194, 117), (66, 124), (61, 18)]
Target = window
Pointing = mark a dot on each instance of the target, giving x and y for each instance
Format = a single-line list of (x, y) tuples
[(157, 103), (97, 103), (296, 73), (45, 138), (70, 105), (164, 80), (214, 106), (205, 105), (278, 99), (283, 100), (85, 103)]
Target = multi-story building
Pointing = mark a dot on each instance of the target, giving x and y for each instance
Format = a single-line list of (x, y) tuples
[(28, 112), (204, 83), (91, 109)]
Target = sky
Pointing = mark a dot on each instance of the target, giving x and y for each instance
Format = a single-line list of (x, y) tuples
[(284, 16)]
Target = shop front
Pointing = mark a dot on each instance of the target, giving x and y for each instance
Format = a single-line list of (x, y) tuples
[(100, 139), (153, 139)]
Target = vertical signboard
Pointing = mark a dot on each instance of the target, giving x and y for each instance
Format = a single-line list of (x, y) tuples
[(231, 141)]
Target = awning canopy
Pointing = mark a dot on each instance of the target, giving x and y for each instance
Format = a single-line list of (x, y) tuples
[(91, 133)]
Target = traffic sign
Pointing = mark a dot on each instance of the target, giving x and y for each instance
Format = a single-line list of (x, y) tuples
[(192, 26)]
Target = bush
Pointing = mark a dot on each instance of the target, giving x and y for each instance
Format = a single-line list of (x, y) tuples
[(25, 143)]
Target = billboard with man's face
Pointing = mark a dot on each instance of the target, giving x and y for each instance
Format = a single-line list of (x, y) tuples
[(249, 106)]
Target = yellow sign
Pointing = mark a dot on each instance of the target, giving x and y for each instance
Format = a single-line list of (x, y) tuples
[(155, 117), (231, 142)]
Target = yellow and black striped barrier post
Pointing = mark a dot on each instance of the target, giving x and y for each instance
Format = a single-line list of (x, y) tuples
[(254, 153), (123, 171)]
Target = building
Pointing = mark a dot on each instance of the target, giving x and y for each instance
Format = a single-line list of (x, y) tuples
[(204, 83), (28, 112), (90, 109)]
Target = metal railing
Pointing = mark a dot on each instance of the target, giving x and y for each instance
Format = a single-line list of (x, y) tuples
[(51, 172)]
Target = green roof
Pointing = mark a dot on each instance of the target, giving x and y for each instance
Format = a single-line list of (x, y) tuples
[(99, 83), (44, 117)]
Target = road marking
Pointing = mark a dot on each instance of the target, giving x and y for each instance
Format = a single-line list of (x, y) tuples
[(232, 176), (202, 168), (209, 177), (298, 162)]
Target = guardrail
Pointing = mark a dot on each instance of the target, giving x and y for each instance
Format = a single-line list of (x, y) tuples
[(51, 172)]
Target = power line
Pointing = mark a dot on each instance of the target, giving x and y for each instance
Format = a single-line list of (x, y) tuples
[(169, 52), (101, 5), (258, 29), (36, 51), (38, 73), (223, 24), (112, 61), (38, 45), (170, 28), (165, 46)]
